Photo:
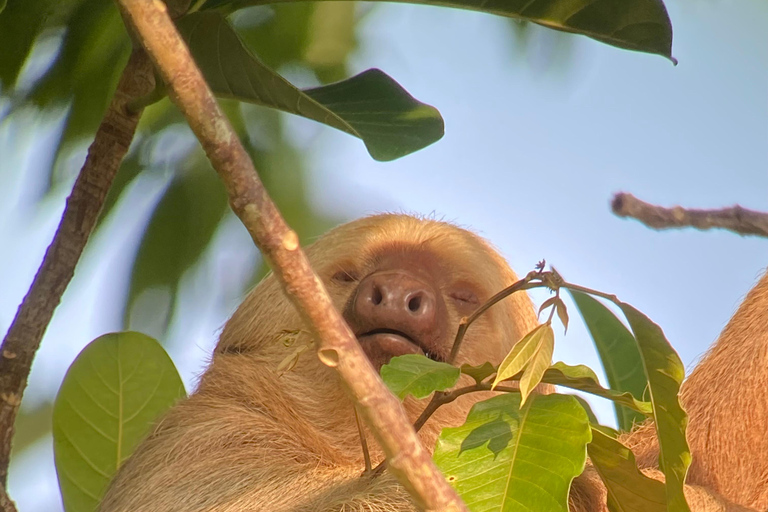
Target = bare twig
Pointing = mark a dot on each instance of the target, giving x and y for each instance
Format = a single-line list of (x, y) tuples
[(337, 346), (523, 284), (736, 219), (82, 210)]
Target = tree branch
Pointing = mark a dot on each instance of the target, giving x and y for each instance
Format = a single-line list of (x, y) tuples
[(337, 346), (80, 214), (736, 219)]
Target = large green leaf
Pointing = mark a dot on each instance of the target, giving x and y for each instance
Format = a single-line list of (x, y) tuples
[(417, 375), (370, 106), (618, 353), (584, 379), (641, 25), (111, 395), (665, 374), (628, 489), (507, 458)]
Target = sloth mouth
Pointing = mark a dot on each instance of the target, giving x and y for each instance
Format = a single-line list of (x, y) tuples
[(381, 345)]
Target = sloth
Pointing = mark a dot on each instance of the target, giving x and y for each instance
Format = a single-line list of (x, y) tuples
[(269, 427)]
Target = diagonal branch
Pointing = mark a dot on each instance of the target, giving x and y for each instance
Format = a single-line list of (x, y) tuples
[(736, 219), (337, 346), (110, 145)]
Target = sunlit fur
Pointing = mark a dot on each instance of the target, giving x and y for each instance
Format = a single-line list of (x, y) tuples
[(252, 438)]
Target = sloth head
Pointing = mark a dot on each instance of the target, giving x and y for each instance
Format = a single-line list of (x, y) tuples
[(403, 284)]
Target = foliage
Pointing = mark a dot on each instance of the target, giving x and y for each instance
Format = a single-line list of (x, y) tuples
[(480, 458), (112, 394)]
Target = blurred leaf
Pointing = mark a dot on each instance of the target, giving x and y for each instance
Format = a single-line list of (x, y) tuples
[(628, 489), (519, 356), (331, 38), (618, 353), (111, 396), (584, 379), (515, 457), (370, 106), (665, 374), (641, 25), (31, 425), (417, 375), (179, 230), (539, 363), (20, 24), (85, 73), (480, 372)]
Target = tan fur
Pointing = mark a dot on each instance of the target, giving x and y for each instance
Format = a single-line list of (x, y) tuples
[(726, 397), (251, 439)]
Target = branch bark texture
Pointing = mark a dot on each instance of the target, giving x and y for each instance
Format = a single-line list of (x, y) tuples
[(83, 206), (736, 219), (337, 346)]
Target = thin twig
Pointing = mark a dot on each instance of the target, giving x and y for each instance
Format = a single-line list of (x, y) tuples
[(363, 442), (337, 346), (82, 210), (522, 284), (737, 219)]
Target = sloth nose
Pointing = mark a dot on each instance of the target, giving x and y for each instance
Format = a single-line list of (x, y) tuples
[(396, 300)]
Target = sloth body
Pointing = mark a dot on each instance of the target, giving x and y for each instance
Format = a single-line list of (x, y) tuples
[(253, 438)]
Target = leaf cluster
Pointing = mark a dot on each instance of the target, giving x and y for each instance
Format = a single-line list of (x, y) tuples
[(509, 438)]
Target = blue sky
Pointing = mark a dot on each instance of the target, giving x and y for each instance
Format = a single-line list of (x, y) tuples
[(536, 144)]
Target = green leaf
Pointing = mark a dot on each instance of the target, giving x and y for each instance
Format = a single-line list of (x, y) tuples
[(628, 489), (587, 409), (584, 379), (115, 390), (538, 363), (480, 372), (665, 374), (519, 356), (370, 106), (417, 375), (514, 457), (641, 25), (618, 352)]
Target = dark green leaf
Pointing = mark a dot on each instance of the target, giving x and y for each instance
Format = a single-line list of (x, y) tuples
[(480, 372), (370, 106), (584, 379), (20, 24), (628, 489), (112, 394), (417, 375), (516, 458), (641, 25), (618, 352), (665, 374)]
